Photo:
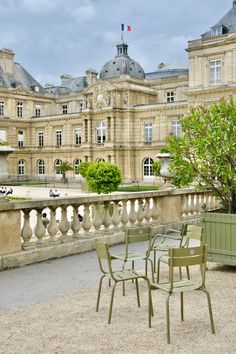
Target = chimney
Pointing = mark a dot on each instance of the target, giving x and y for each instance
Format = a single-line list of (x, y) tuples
[(64, 78), (7, 60), (91, 76)]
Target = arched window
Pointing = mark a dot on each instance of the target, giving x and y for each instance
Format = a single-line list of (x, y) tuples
[(147, 167), (101, 132), (41, 167), (21, 167), (57, 165), (76, 164), (100, 160)]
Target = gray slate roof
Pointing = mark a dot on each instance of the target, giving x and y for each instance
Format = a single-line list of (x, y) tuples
[(20, 77), (170, 70), (70, 85), (228, 21)]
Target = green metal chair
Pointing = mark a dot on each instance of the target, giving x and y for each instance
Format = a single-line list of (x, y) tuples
[(117, 276), (183, 257), (189, 233), (137, 235)]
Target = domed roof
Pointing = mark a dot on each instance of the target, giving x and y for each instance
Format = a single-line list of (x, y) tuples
[(122, 64)]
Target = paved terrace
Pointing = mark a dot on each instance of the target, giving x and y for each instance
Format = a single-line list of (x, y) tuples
[(49, 308)]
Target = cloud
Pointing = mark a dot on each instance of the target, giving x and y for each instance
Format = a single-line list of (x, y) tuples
[(38, 6), (84, 12)]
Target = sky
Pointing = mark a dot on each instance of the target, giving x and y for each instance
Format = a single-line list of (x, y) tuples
[(55, 37)]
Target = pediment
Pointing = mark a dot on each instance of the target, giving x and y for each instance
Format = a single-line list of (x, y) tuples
[(99, 86), (20, 89)]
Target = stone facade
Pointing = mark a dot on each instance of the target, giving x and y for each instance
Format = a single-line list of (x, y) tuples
[(122, 119)]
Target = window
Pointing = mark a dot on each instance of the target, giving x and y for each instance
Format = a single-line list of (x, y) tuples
[(40, 138), (147, 167), (19, 109), (58, 138), (41, 167), (57, 165), (101, 133), (76, 164), (100, 160), (1, 108), (21, 167), (176, 128), (215, 72), (37, 111), (148, 132), (64, 109), (3, 135), (80, 106), (170, 96), (20, 138), (77, 136)]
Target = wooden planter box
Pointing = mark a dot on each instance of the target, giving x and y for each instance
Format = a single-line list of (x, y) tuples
[(219, 233)]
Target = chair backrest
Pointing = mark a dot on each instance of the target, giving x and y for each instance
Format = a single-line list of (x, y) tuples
[(138, 234), (187, 257), (103, 254), (194, 232)]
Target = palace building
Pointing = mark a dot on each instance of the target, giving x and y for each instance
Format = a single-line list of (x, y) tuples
[(122, 115)]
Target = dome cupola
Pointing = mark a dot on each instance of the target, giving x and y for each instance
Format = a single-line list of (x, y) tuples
[(122, 64)]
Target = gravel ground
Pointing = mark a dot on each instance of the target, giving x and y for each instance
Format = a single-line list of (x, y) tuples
[(68, 324)]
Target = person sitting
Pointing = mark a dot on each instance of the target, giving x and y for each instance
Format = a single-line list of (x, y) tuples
[(9, 191)]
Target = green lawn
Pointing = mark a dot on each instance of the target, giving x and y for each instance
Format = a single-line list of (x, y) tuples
[(137, 188)]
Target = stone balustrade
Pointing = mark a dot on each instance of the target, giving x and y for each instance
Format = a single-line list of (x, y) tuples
[(103, 215)]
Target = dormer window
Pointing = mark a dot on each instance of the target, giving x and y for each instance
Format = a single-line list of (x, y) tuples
[(219, 30)]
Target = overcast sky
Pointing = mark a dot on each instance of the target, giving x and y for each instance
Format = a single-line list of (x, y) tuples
[(55, 37)]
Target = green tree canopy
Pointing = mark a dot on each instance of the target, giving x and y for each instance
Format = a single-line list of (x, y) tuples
[(83, 168), (103, 177), (206, 152)]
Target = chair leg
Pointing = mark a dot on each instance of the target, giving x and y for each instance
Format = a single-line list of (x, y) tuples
[(182, 305), (133, 269), (99, 292), (180, 273), (123, 288), (168, 318), (150, 307), (111, 303), (158, 270), (188, 274), (210, 310), (137, 291), (152, 269), (109, 282), (155, 260)]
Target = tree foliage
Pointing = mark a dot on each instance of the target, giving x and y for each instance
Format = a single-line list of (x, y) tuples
[(103, 177), (206, 152), (83, 167), (64, 167)]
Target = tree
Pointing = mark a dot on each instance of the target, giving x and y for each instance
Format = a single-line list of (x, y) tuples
[(103, 177), (64, 167), (83, 168), (206, 152)]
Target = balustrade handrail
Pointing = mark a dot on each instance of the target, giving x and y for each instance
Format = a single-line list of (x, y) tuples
[(92, 198)]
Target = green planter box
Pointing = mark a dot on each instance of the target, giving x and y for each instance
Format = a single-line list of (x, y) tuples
[(219, 233)]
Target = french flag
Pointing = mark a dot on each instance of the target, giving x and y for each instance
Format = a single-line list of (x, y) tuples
[(125, 27)]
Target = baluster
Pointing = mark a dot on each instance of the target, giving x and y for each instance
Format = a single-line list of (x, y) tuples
[(148, 210), (140, 213), (40, 229), (183, 206), (132, 213), (154, 210), (52, 227), (98, 216), (75, 224), (107, 218), (124, 214), (64, 225), (116, 215), (192, 207), (86, 224), (26, 232)]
